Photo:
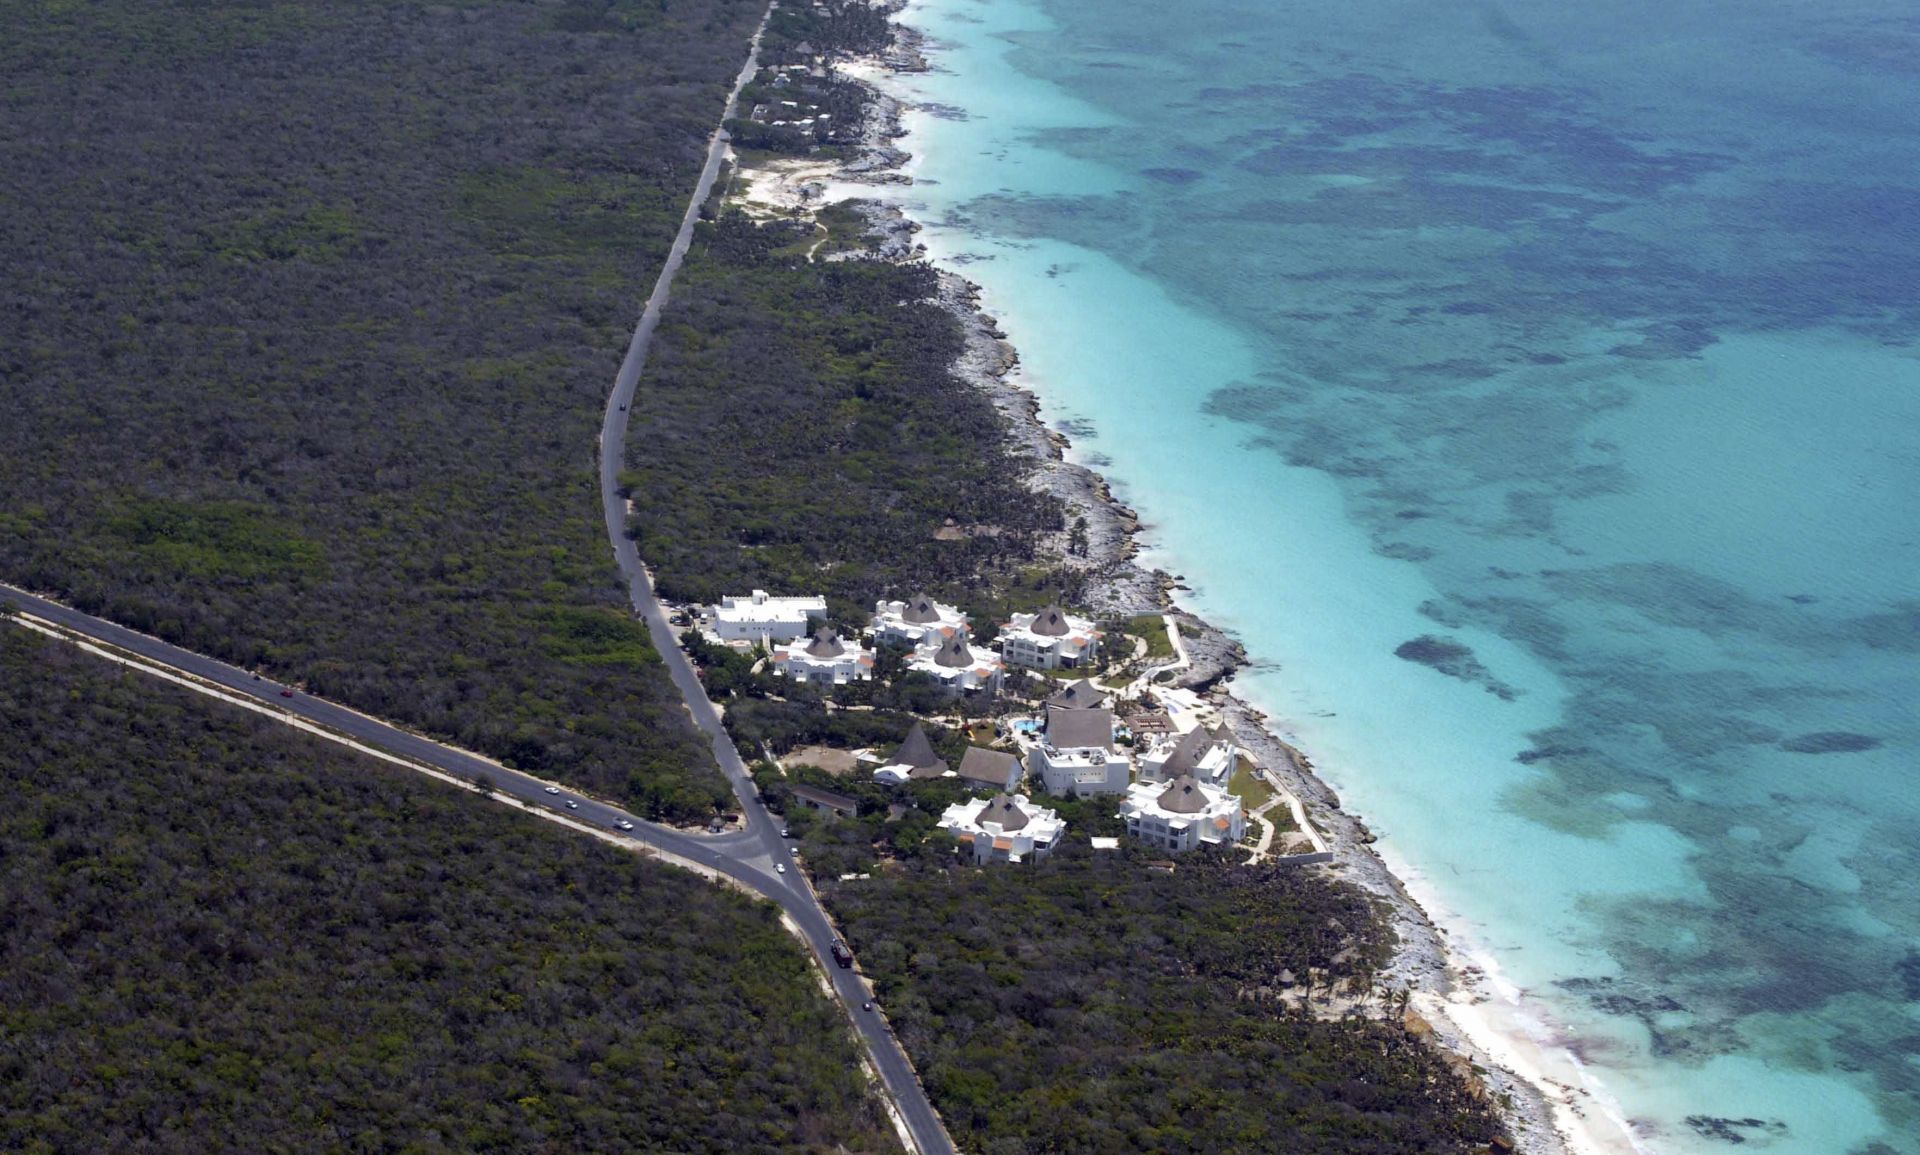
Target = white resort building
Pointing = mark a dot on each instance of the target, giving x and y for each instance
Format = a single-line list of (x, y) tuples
[(762, 619), (1208, 755), (959, 664), (1075, 755), (1049, 640), (916, 622), (1004, 828), (1182, 814), (823, 660)]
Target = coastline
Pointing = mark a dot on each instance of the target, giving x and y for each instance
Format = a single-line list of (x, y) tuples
[(1459, 1000)]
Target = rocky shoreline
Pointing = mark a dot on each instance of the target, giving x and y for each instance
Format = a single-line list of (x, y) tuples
[(1119, 585)]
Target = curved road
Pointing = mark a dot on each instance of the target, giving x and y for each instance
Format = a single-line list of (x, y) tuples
[(750, 856), (763, 833)]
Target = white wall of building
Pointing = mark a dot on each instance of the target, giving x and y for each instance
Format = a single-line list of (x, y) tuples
[(993, 842), (760, 617), (1220, 822)]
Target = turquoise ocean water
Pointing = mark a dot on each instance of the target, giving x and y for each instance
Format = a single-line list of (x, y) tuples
[(1577, 341)]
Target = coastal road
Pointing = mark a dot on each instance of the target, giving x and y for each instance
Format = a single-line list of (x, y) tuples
[(736, 854), (748, 857), (761, 828)]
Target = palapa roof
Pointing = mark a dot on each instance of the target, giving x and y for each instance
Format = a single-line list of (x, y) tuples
[(1082, 695), (825, 644), (1068, 729), (1050, 622), (1186, 752), (992, 767), (920, 611), (1183, 796), (954, 654), (1005, 812), (917, 752)]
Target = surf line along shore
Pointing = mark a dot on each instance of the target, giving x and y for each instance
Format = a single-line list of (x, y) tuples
[(1457, 997)]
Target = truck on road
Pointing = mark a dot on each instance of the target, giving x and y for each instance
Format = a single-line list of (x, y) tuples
[(842, 955)]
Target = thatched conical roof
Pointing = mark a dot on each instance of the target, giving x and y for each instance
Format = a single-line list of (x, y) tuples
[(1004, 811), (1183, 796)]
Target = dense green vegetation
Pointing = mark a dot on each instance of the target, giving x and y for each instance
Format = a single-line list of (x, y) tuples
[(312, 308), (800, 428), (1092, 1004), (222, 935)]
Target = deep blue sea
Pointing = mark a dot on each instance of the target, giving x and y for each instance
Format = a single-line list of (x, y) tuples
[(1577, 341)]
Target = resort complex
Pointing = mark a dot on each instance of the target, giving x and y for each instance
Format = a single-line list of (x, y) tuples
[(1172, 775)]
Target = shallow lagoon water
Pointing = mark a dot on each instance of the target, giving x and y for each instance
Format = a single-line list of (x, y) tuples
[(1579, 343)]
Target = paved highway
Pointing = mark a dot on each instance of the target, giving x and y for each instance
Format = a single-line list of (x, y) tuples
[(747, 856), (928, 1133)]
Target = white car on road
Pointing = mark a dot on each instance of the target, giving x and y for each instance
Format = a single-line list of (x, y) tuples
[(623, 824), (553, 790)]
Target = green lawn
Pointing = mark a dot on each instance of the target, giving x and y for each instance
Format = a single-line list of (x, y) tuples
[(1153, 629), (1253, 789)]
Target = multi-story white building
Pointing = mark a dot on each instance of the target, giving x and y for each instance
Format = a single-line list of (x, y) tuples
[(917, 621), (1075, 755), (1182, 814), (823, 660), (959, 664), (1208, 755), (1049, 640), (763, 619), (1004, 828)]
